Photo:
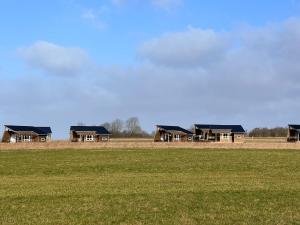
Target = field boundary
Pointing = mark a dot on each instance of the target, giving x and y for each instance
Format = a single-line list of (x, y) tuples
[(134, 144)]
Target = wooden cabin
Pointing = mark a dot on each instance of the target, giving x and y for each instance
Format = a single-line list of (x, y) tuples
[(15, 134), (293, 133), (219, 133), (172, 134), (89, 134)]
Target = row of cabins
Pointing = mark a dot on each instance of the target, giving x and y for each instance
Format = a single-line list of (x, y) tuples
[(14, 134), (200, 133)]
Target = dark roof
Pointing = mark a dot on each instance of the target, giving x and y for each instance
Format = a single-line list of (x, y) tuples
[(233, 128), (174, 128), (295, 126), (98, 129), (38, 130)]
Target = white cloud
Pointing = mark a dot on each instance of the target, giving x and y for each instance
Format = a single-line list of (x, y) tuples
[(54, 59), (246, 76), (89, 14), (194, 47)]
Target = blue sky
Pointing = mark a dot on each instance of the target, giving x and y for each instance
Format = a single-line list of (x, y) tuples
[(116, 54), (126, 25)]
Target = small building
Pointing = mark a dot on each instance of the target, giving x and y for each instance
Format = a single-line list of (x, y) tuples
[(89, 134), (172, 134), (14, 134), (219, 133), (293, 133)]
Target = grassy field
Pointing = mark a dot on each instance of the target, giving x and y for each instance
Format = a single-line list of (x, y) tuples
[(170, 186)]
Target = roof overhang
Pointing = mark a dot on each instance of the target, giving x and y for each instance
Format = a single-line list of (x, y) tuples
[(26, 132), (294, 127), (175, 132), (217, 131), (86, 132), (31, 133)]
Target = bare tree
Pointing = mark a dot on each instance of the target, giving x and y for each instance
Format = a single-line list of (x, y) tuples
[(116, 126), (192, 128), (133, 126), (107, 126), (80, 124)]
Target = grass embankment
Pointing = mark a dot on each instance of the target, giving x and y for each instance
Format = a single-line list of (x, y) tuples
[(180, 186)]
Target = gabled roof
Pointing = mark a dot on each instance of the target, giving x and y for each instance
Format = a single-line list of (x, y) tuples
[(175, 128), (98, 129), (37, 130), (294, 126), (233, 128)]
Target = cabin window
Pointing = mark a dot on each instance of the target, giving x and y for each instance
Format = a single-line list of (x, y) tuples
[(43, 139), (26, 138), (225, 136), (104, 138), (239, 136), (177, 137), (89, 138)]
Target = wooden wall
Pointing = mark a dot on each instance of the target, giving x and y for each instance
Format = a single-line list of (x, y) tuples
[(159, 133), (34, 138), (239, 138), (74, 136)]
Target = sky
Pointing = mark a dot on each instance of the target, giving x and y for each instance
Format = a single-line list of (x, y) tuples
[(171, 62)]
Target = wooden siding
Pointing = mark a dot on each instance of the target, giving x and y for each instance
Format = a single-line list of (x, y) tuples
[(7, 135), (166, 136), (206, 135), (76, 137), (238, 138)]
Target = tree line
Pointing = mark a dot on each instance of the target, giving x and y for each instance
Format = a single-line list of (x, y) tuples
[(129, 128), (132, 128), (269, 132)]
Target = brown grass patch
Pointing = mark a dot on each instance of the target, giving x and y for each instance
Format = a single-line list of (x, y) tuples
[(261, 143)]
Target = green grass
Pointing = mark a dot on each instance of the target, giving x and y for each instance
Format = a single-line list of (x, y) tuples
[(180, 186)]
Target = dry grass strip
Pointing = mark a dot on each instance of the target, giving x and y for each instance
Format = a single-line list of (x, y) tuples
[(148, 144)]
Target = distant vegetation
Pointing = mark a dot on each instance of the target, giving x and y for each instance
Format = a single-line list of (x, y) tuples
[(269, 132), (131, 128)]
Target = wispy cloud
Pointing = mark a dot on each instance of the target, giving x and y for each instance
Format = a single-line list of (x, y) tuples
[(164, 4), (93, 16), (119, 2)]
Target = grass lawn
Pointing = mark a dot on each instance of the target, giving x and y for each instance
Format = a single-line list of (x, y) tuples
[(175, 186)]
